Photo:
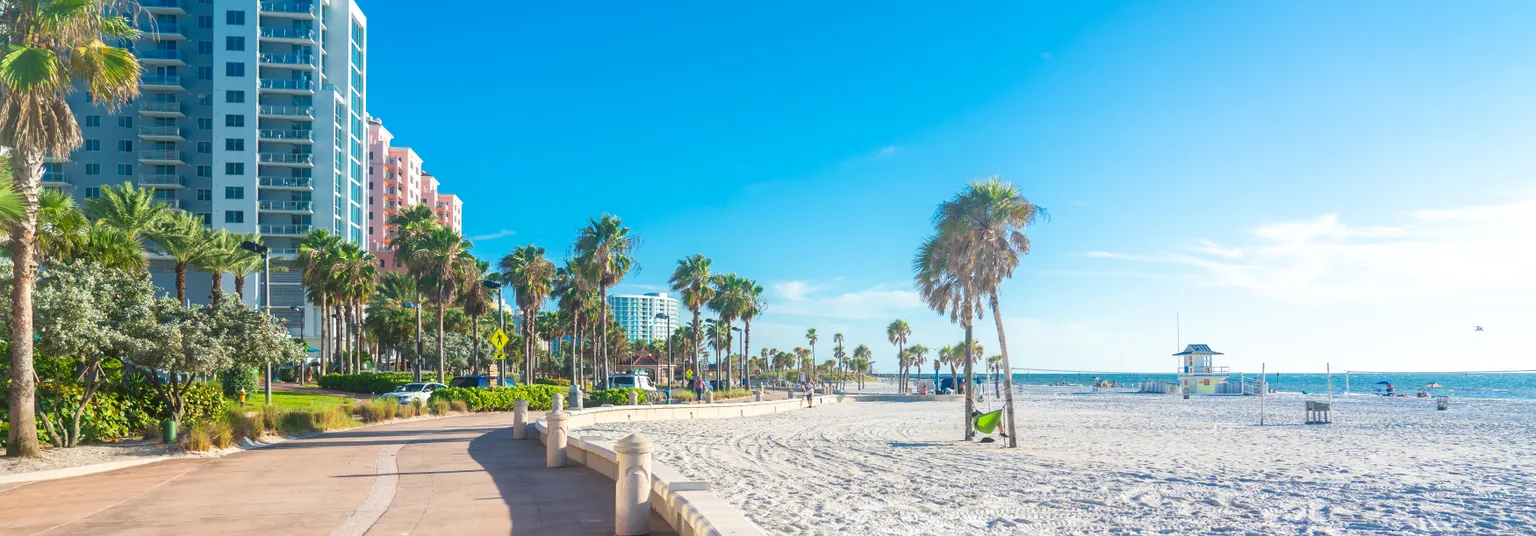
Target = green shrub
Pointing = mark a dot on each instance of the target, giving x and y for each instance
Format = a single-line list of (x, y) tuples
[(286, 374), (233, 381), (539, 397), (441, 407), (617, 397), (365, 382), (220, 433), (296, 423), (122, 409), (732, 393), (198, 440), (334, 418), (376, 411), (558, 382), (246, 426), (683, 395), (270, 415)]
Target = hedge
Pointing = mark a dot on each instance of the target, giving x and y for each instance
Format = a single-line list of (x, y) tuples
[(121, 410), (499, 398), (617, 397), (561, 382), (234, 380), (365, 382)]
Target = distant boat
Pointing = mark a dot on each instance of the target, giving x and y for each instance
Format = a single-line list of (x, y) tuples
[(1432, 385)]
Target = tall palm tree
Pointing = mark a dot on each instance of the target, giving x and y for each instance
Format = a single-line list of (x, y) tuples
[(246, 263), (692, 280), (606, 248), (356, 274), (532, 278), (222, 249), (994, 368), (182, 237), (811, 337), (408, 227), (980, 242), (752, 305), (948, 294), (916, 356), (477, 302), (897, 332), (575, 295), (442, 257), (51, 49), (388, 316), (842, 359), (861, 355), (729, 301), (133, 210), (317, 253)]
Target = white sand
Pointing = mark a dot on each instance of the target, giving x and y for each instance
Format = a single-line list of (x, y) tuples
[(57, 458), (1121, 464)]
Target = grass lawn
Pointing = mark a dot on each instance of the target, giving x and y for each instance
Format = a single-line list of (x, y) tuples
[(295, 401)]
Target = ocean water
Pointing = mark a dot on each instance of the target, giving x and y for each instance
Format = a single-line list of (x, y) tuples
[(1455, 384)]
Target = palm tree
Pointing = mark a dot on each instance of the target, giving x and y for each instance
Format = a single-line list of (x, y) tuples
[(442, 258), (897, 332), (842, 359), (356, 274), (917, 355), (388, 306), (532, 278), (575, 296), (221, 251), (606, 249), (247, 263), (692, 279), (811, 337), (408, 227), (133, 210), (182, 237), (946, 293), (994, 368), (317, 251), (730, 300), (477, 302), (52, 48), (861, 355), (979, 243), (752, 305)]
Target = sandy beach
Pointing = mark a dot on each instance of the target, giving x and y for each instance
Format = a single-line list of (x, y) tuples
[(1121, 463)]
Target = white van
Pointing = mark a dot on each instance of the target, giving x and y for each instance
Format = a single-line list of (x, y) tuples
[(620, 381)]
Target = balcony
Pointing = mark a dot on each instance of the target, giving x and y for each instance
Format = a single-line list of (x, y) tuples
[(164, 158), (286, 136), (55, 178), (162, 109), (293, 61), (284, 230), (286, 206), (162, 83), (286, 183), (280, 159), (160, 57), (162, 181), (288, 35), (160, 133), (294, 10), (165, 31), (286, 112), (294, 87), (163, 7)]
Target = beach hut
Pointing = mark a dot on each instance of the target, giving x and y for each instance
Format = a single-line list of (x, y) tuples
[(1196, 373)]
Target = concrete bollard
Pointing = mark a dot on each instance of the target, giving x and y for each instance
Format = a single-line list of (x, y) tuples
[(557, 403), (709, 397), (634, 398), (554, 445), (632, 487), (757, 396), (520, 419), (576, 399)]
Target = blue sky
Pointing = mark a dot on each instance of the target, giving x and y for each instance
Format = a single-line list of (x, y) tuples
[(1302, 183)]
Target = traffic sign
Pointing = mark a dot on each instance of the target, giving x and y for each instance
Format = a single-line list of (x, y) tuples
[(688, 374), (499, 339), (499, 355)]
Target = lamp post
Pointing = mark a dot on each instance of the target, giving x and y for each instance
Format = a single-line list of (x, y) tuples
[(266, 297), (668, 318), (417, 307), (715, 343), (743, 357), (501, 318)]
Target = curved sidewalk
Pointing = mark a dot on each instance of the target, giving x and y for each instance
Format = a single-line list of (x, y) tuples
[(459, 475)]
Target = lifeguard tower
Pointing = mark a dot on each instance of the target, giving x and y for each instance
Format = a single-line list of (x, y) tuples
[(1196, 374)]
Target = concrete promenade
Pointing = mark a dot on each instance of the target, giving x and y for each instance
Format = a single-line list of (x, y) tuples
[(459, 475)]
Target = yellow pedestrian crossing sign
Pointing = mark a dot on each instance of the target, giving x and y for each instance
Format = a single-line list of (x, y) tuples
[(499, 339), (689, 374)]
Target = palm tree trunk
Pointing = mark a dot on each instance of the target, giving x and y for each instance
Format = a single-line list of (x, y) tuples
[(1007, 369), (21, 440), (746, 350), (474, 366), (214, 286), (603, 342), (970, 400), (442, 361), (240, 286), (181, 283), (357, 330), (325, 333)]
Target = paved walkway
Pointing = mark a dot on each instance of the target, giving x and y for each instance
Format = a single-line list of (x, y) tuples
[(458, 476)]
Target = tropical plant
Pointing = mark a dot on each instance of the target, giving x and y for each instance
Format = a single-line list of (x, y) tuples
[(133, 210), (182, 237), (221, 249), (811, 337), (317, 254), (476, 303), (861, 358), (442, 258), (576, 297), (606, 249), (917, 354), (532, 278), (693, 282), (897, 332)]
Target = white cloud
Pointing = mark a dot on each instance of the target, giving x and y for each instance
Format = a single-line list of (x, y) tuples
[(498, 234), (1442, 252), (807, 299), (887, 150)]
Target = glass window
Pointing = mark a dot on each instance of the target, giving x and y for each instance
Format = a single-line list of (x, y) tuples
[(91, 193), (205, 21), (125, 121), (205, 47), (234, 69), (205, 123), (204, 194), (234, 144), (234, 216), (93, 145), (234, 192), (93, 120), (93, 169), (125, 146), (205, 147), (205, 171), (234, 18), (234, 96), (234, 168), (125, 170), (205, 73), (234, 42), (234, 120)]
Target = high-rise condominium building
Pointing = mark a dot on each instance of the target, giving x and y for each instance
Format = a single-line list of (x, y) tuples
[(637, 314), (396, 182), (251, 115)]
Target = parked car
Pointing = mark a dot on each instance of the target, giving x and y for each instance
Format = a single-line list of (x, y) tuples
[(621, 381), (411, 392), (470, 381)]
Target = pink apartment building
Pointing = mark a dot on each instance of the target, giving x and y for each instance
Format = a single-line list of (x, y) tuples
[(396, 182)]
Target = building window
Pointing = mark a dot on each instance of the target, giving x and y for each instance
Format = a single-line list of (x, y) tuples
[(206, 217), (205, 123), (205, 100), (205, 147), (234, 144), (205, 171), (125, 121), (234, 96), (234, 69), (93, 145), (205, 73), (234, 42), (92, 193), (125, 146), (234, 192), (205, 47), (234, 120), (234, 18), (93, 120), (204, 194), (93, 169), (205, 21), (234, 168), (234, 216), (125, 170)]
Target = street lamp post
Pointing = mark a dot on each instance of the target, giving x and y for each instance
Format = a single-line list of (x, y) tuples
[(501, 318), (668, 335), (743, 355), (266, 297), (417, 307)]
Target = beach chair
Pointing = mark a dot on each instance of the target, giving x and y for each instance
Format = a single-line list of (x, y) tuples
[(1318, 412), (1442, 403)]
